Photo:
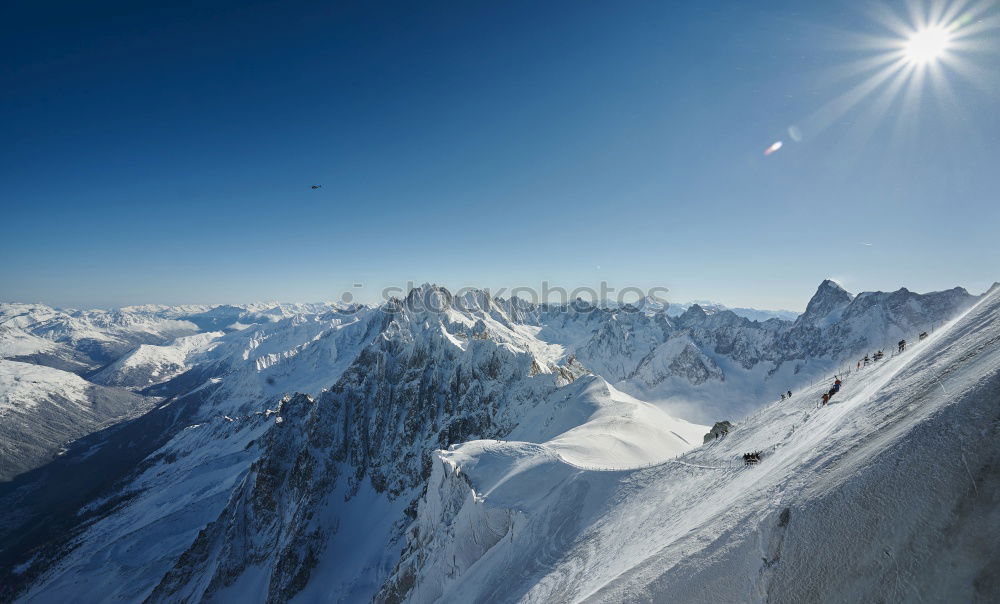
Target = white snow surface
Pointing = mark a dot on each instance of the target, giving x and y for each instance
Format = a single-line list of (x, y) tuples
[(15, 342), (24, 386), (590, 424)]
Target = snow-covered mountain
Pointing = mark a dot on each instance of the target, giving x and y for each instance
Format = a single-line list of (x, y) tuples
[(151, 364), (734, 364), (42, 408), (292, 449), (81, 340), (651, 305), (754, 314), (153, 351), (84, 340)]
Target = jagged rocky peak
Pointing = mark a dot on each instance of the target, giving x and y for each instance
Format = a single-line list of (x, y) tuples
[(434, 298), (826, 304), (520, 310), (581, 305), (652, 304), (475, 301), (831, 290), (429, 297), (693, 315)]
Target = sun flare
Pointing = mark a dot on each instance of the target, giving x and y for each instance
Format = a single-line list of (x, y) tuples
[(935, 47), (926, 45)]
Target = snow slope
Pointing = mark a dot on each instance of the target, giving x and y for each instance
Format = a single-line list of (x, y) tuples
[(20, 383), (890, 493), (591, 424), (151, 364), (41, 409)]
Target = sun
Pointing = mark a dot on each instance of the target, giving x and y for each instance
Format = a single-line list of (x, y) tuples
[(926, 45), (938, 47)]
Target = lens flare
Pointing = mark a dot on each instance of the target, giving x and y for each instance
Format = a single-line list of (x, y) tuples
[(774, 147)]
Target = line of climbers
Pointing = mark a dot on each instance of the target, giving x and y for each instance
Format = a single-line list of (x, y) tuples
[(874, 358), (900, 347), (754, 458)]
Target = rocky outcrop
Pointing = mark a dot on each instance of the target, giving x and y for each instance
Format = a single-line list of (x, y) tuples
[(718, 430)]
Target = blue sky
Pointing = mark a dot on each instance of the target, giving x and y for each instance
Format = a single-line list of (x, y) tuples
[(164, 152)]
